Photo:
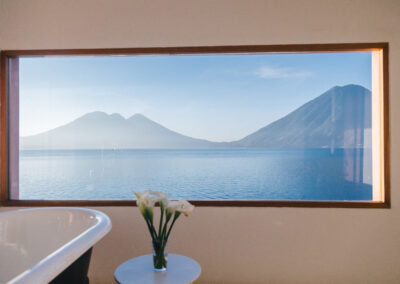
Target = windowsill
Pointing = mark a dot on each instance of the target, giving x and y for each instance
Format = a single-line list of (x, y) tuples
[(206, 203)]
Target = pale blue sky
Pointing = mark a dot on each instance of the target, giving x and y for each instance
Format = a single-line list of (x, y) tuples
[(214, 97)]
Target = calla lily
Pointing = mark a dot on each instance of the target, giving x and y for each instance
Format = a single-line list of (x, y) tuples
[(185, 207), (156, 196), (172, 205), (149, 198), (143, 200), (146, 202)]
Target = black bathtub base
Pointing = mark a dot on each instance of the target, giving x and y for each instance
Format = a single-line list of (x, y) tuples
[(77, 272)]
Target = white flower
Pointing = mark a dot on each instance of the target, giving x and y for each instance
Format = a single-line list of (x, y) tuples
[(172, 205), (149, 198), (146, 201), (181, 206), (156, 196), (185, 207), (143, 199)]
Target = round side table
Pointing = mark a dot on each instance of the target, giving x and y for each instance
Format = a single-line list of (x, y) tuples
[(180, 269)]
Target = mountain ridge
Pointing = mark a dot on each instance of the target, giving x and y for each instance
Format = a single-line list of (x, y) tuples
[(329, 120), (332, 119)]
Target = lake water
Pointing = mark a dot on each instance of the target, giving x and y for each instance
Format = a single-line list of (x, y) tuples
[(276, 174)]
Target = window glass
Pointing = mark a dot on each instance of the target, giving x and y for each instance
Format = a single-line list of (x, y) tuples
[(200, 127)]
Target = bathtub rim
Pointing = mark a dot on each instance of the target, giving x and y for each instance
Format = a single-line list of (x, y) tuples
[(53, 264)]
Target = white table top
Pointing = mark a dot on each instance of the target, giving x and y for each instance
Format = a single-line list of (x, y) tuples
[(180, 269)]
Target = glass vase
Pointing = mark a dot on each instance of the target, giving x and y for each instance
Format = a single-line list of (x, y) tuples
[(160, 255)]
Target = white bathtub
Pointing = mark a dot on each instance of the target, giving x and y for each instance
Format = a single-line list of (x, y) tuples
[(38, 244)]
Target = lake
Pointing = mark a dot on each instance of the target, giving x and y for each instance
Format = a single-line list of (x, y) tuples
[(198, 174)]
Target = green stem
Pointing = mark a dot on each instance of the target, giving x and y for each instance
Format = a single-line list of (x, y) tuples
[(173, 222), (162, 235), (161, 219), (159, 260), (150, 228), (165, 225)]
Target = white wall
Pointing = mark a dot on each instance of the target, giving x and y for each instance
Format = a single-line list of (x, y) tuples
[(237, 245)]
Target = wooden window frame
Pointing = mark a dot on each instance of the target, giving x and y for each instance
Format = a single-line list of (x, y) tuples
[(6, 61)]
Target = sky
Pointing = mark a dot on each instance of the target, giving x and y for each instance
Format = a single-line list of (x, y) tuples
[(213, 97)]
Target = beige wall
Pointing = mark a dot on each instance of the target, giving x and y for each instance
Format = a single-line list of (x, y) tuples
[(237, 245)]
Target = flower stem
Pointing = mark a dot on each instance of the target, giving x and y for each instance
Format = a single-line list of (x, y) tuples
[(159, 256), (161, 220), (164, 229), (151, 229), (176, 216)]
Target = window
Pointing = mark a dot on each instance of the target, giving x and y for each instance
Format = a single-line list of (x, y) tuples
[(294, 125)]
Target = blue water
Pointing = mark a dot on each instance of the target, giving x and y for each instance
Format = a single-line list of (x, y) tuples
[(275, 174)]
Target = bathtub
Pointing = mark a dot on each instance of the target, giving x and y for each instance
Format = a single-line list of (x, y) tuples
[(37, 245)]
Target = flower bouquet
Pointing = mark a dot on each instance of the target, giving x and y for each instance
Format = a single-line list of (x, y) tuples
[(170, 210)]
